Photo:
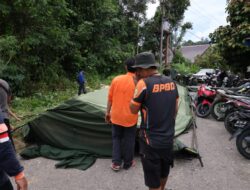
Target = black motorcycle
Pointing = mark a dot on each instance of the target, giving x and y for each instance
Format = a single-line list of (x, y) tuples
[(236, 114), (242, 134), (218, 109)]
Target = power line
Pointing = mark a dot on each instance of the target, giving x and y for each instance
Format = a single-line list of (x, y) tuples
[(205, 16), (193, 34), (211, 17), (203, 21), (200, 18), (204, 10)]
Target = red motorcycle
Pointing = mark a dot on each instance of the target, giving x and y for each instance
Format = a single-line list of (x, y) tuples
[(204, 100)]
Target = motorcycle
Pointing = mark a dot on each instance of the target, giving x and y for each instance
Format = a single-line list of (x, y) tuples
[(182, 79), (205, 97), (218, 107), (242, 135), (235, 115), (211, 80)]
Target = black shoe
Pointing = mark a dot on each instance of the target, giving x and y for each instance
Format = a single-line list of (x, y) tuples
[(127, 166)]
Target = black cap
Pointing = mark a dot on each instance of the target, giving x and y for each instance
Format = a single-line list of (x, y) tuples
[(130, 62), (145, 60)]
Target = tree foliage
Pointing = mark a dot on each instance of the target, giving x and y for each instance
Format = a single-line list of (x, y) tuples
[(230, 39), (190, 42), (43, 41), (174, 11), (183, 65), (211, 59)]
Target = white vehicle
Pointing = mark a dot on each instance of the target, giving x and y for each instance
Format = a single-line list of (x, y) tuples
[(200, 76), (203, 72)]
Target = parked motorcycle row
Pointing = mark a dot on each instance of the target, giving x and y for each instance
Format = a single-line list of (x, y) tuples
[(231, 105), (215, 79)]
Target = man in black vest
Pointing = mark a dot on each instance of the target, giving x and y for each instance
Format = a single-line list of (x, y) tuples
[(157, 98)]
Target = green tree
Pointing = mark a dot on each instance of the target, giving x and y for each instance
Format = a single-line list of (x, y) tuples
[(182, 65), (41, 37), (230, 39), (44, 41), (190, 42), (210, 59), (173, 12)]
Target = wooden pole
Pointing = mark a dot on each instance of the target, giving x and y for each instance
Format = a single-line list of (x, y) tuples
[(166, 52)]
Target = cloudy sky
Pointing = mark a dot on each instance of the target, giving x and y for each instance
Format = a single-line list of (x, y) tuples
[(205, 15)]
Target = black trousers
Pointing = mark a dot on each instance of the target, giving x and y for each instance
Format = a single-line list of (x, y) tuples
[(123, 144), (7, 186), (81, 89)]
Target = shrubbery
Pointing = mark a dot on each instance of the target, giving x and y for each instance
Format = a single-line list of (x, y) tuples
[(182, 65)]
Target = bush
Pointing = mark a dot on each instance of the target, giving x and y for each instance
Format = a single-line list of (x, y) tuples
[(185, 68)]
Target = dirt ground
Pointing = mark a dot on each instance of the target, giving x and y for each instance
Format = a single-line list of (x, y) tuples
[(224, 168)]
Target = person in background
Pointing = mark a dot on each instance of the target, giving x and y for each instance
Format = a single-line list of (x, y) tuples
[(221, 76), (9, 165), (123, 121), (247, 74), (5, 99), (81, 82), (156, 96)]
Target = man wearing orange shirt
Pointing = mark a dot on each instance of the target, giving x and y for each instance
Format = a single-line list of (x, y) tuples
[(123, 121)]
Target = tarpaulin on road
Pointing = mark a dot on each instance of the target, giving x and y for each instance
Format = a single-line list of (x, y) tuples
[(75, 132)]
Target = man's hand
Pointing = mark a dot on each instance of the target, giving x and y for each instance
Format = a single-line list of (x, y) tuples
[(108, 118), (22, 184), (107, 115)]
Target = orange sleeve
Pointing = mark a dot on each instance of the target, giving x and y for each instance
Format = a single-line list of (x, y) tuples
[(139, 88), (19, 176)]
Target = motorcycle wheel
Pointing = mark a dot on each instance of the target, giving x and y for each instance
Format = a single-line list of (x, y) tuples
[(229, 125), (217, 110), (243, 143), (202, 110)]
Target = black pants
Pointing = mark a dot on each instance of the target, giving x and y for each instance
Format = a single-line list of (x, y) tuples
[(7, 186), (123, 144), (81, 89), (155, 163)]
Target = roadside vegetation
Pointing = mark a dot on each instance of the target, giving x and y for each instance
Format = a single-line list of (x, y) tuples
[(182, 65), (31, 106)]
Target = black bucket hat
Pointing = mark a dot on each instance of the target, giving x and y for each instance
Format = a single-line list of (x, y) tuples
[(145, 60)]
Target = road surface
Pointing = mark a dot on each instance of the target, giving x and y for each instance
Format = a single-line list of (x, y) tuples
[(224, 168)]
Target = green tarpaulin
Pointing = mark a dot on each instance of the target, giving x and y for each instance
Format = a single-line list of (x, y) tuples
[(76, 134)]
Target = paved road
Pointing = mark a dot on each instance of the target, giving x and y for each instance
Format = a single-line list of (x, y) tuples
[(224, 168)]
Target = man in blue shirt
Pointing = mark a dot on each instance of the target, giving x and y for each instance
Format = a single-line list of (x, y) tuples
[(81, 83)]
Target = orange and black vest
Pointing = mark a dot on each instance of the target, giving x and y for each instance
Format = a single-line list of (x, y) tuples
[(4, 137), (158, 104)]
